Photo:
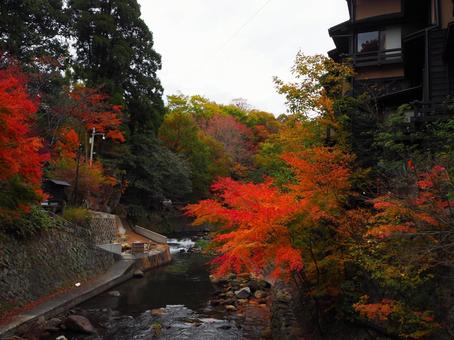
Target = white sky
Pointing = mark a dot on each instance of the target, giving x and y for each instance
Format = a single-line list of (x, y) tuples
[(227, 49)]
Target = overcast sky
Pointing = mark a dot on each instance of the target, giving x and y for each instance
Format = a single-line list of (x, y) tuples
[(227, 49)]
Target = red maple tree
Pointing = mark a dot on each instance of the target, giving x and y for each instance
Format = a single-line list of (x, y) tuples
[(89, 108), (20, 156), (262, 226)]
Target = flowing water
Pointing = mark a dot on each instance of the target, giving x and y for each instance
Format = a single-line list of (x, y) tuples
[(171, 302)]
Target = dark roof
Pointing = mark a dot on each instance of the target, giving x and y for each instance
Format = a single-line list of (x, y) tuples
[(342, 28), (58, 182)]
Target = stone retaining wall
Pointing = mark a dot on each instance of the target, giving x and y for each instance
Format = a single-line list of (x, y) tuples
[(103, 227), (58, 258)]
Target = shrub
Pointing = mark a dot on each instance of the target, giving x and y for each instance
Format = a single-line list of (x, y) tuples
[(30, 223), (77, 215)]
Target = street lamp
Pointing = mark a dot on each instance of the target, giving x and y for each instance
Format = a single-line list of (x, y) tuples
[(92, 143)]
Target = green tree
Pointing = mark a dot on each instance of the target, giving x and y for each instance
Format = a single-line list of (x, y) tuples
[(318, 82), (114, 49), (153, 173), (206, 156), (32, 29)]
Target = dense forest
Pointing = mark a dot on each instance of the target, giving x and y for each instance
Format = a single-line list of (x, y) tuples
[(354, 208)]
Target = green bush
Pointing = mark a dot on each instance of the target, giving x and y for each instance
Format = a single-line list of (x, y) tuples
[(77, 215), (28, 224)]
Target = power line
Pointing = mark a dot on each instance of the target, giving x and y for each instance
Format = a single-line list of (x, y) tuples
[(244, 25), (235, 34)]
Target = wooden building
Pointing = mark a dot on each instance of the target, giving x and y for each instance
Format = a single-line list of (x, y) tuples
[(56, 192), (402, 51)]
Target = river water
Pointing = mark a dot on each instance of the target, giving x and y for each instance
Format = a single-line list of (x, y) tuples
[(170, 302)]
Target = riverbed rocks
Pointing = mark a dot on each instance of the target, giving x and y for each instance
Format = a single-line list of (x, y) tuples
[(158, 311), (259, 294), (138, 274), (243, 293), (79, 323), (230, 308), (234, 293), (61, 337), (218, 280), (53, 324)]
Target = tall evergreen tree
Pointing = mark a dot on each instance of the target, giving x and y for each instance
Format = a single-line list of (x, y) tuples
[(114, 49), (32, 28)]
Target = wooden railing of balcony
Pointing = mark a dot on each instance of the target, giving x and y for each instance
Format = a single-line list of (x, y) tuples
[(381, 57)]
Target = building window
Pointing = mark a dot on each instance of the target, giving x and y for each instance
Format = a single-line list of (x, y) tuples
[(368, 41), (386, 39), (392, 38)]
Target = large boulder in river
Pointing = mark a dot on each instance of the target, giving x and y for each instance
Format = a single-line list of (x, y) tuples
[(243, 293), (79, 323)]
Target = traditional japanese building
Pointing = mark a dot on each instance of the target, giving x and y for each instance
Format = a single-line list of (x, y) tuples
[(402, 51)]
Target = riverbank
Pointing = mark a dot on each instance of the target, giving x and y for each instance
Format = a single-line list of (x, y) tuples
[(58, 269), (123, 270), (175, 301)]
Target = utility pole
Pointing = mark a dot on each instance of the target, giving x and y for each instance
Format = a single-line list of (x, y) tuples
[(92, 143), (76, 186)]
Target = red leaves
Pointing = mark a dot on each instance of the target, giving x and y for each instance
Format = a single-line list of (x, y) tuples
[(383, 205), (322, 181), (320, 168), (376, 311), (257, 215), (92, 110), (423, 213), (19, 150), (68, 144), (234, 136), (425, 184), (387, 230)]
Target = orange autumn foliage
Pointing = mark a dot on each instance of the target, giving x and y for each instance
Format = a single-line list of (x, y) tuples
[(322, 180), (68, 143), (254, 218)]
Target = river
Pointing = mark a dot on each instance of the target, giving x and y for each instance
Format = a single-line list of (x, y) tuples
[(170, 302)]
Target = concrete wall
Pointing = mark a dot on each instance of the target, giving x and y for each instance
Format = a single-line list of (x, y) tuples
[(154, 260), (371, 8), (58, 258), (158, 238), (111, 247)]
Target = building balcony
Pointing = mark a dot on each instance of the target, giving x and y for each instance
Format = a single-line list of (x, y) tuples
[(377, 58)]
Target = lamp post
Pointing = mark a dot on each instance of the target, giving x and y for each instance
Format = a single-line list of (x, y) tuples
[(92, 143)]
